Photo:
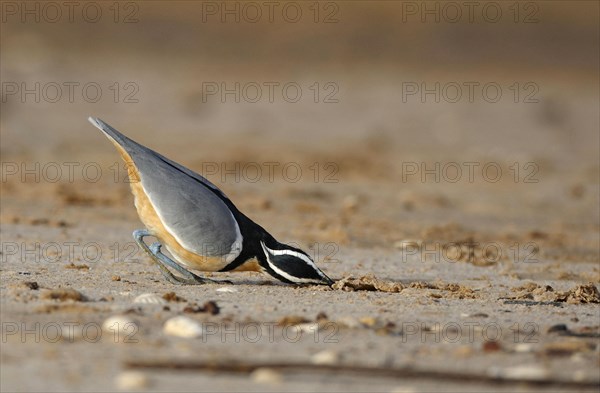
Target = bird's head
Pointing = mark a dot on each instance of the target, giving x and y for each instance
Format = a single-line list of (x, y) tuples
[(292, 265)]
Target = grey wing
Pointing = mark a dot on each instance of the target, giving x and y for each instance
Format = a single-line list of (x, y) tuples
[(131, 145), (186, 202)]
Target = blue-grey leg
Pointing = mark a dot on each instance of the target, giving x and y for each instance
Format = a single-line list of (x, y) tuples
[(155, 249), (161, 260)]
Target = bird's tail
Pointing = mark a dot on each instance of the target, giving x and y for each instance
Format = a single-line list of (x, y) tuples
[(112, 134), (129, 149)]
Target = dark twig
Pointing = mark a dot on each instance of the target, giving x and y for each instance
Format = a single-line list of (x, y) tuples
[(406, 372)]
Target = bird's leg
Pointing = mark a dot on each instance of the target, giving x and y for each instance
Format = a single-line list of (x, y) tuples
[(155, 249), (161, 260)]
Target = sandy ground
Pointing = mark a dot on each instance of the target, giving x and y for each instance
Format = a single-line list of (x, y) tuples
[(489, 282)]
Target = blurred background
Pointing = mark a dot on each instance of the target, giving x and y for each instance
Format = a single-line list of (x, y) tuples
[(349, 128), (363, 97)]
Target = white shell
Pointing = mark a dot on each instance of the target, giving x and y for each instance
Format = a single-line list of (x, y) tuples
[(311, 327), (121, 329), (120, 325), (149, 298), (182, 327)]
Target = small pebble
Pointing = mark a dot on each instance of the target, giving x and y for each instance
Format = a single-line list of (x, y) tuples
[(369, 321), (491, 346), (209, 307), (181, 326), (325, 357), (266, 375), (172, 297), (131, 380), (349, 322), (559, 328), (291, 320), (33, 285), (321, 316), (408, 244), (523, 348), (526, 373)]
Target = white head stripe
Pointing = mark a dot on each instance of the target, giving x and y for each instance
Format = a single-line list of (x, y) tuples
[(293, 253)]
